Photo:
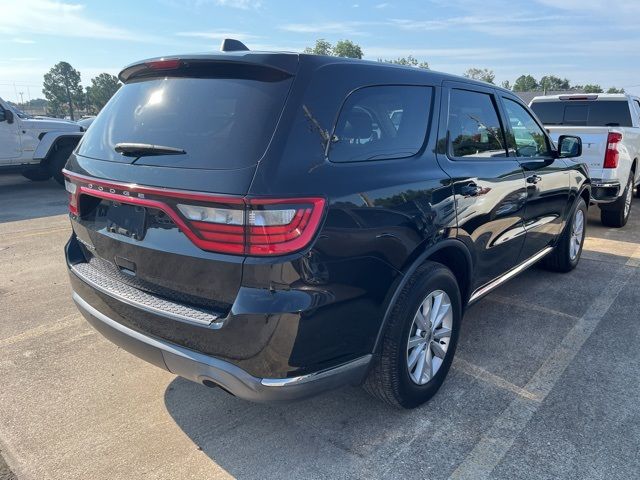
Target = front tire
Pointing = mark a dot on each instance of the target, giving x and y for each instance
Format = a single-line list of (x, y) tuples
[(419, 339), (566, 255), (617, 214)]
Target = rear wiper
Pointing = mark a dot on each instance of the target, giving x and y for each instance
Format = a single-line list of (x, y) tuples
[(146, 150)]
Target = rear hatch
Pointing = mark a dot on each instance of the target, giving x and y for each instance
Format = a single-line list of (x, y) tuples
[(157, 183), (587, 117)]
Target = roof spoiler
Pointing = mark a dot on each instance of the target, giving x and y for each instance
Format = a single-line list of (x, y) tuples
[(233, 45)]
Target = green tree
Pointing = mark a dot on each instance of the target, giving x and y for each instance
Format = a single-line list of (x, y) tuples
[(483, 74), (525, 83), (615, 90), (551, 82), (346, 48), (62, 89), (592, 89), (322, 47), (506, 84), (102, 88), (409, 61)]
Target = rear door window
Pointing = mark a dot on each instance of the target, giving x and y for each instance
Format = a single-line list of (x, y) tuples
[(595, 113), (221, 123), (474, 126), (382, 122)]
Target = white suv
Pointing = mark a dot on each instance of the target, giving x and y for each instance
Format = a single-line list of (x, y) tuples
[(38, 147)]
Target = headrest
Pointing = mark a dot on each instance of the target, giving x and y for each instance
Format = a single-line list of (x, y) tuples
[(358, 124)]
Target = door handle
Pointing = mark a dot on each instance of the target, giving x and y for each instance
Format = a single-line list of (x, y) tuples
[(533, 179)]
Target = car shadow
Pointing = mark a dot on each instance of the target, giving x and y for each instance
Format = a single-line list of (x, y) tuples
[(23, 199)]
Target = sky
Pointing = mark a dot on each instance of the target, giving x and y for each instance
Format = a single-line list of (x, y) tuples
[(587, 41)]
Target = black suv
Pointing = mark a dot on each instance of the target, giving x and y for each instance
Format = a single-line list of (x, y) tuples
[(278, 224)]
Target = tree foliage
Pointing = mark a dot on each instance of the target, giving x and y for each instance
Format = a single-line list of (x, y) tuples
[(589, 88), (483, 74), (409, 61), (102, 88), (615, 90), (62, 89), (322, 47), (551, 82), (344, 48), (506, 84), (525, 83)]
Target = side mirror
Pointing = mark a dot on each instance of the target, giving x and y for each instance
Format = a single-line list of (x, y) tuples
[(569, 146), (8, 116)]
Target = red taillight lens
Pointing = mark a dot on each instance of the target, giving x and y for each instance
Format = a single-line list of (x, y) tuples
[(612, 155), (262, 227), (72, 189), (234, 225), (171, 64)]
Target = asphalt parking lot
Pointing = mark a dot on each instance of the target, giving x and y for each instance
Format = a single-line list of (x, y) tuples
[(544, 385)]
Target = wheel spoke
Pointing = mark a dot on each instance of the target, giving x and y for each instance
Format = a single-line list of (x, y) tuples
[(428, 367), (421, 362), (444, 310), (415, 341), (437, 349), (421, 321), (413, 358), (442, 333)]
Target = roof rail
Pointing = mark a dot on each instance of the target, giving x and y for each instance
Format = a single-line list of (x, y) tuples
[(232, 45)]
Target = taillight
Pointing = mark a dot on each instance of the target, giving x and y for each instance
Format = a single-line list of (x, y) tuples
[(262, 227), (72, 189), (612, 154), (234, 225)]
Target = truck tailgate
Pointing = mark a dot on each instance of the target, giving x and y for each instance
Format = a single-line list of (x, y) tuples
[(594, 144)]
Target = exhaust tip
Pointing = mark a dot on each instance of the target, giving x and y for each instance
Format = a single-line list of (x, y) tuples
[(211, 384)]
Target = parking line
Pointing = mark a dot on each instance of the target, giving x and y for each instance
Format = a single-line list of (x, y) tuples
[(482, 374), (529, 306), (496, 442), (40, 330)]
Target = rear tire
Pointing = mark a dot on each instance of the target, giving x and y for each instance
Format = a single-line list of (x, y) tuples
[(37, 173), (566, 255), (57, 161), (430, 298), (617, 214)]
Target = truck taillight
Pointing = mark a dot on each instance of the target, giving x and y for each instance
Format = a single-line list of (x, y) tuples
[(216, 223), (612, 154)]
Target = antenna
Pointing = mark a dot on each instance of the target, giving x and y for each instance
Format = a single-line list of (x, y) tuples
[(233, 45)]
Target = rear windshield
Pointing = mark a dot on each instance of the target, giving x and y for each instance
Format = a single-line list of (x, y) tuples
[(221, 123), (584, 113)]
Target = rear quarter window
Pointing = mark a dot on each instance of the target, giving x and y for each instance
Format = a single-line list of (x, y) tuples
[(382, 122)]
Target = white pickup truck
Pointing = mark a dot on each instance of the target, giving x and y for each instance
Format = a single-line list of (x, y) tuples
[(38, 147), (609, 126)]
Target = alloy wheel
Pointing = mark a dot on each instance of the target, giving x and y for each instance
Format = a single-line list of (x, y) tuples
[(429, 337), (577, 232)]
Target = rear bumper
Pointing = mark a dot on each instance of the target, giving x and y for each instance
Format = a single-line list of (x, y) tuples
[(212, 371), (605, 191)]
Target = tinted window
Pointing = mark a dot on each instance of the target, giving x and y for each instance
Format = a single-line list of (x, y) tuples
[(221, 123), (384, 122), (529, 139), (474, 128), (584, 113)]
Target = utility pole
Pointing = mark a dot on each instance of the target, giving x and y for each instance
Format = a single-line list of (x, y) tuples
[(66, 85), (21, 99)]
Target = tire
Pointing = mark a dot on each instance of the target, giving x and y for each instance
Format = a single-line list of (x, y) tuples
[(391, 378), (616, 215), (566, 254), (57, 161), (638, 191)]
